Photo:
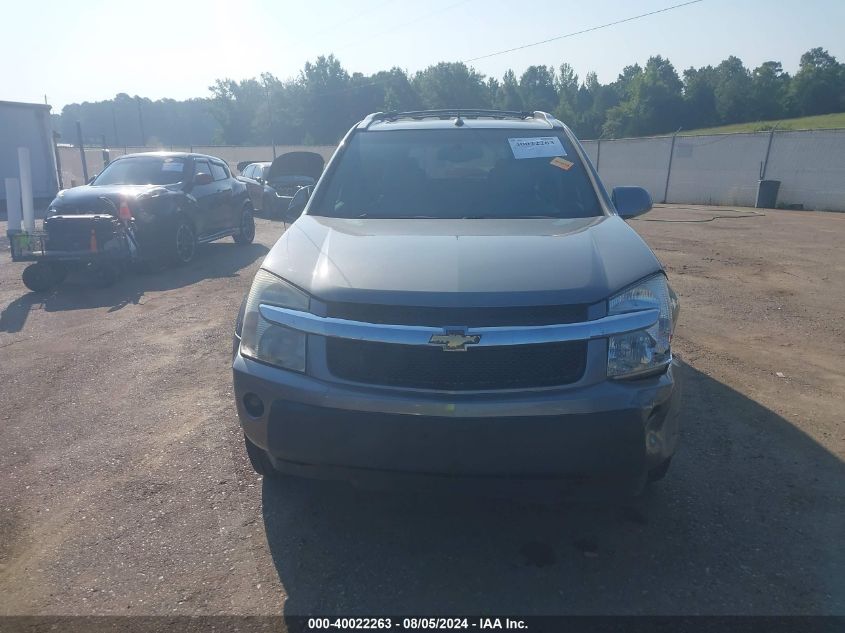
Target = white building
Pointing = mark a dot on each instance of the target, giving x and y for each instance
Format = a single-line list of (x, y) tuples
[(28, 125)]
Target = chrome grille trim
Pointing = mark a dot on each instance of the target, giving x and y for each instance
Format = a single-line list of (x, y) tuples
[(490, 336)]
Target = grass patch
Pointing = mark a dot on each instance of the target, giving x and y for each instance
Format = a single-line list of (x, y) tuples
[(818, 122)]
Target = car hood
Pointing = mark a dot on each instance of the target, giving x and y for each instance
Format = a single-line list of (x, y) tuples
[(461, 262), (88, 198), (297, 164)]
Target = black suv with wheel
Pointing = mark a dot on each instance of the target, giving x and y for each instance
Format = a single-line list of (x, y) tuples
[(175, 200)]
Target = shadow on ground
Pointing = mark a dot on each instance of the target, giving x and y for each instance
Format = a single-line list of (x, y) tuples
[(749, 520), (215, 260)]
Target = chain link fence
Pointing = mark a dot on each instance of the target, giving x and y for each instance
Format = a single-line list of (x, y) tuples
[(724, 169), (73, 174), (719, 169)]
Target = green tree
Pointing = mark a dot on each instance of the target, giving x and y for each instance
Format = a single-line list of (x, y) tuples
[(769, 91), (819, 85), (234, 105), (733, 89), (625, 81), (328, 99), (700, 98), (324, 101), (451, 85), (398, 93), (537, 88), (654, 104), (592, 104), (507, 95)]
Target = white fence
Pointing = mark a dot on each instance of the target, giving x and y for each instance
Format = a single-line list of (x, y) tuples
[(71, 161), (724, 168), (718, 169)]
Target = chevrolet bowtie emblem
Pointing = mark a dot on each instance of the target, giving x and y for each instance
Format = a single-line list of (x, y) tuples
[(453, 341)]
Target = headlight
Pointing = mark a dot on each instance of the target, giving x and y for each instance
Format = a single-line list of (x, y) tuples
[(643, 351), (268, 342)]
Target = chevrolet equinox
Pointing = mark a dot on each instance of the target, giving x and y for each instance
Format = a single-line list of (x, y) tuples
[(460, 297)]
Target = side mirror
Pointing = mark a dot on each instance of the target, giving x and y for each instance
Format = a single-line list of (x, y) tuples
[(92, 179), (631, 201), (298, 203), (203, 179)]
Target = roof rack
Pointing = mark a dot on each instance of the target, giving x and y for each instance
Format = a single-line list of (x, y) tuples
[(464, 113)]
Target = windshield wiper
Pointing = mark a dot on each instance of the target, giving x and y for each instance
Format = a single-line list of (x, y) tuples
[(367, 216), (511, 217)]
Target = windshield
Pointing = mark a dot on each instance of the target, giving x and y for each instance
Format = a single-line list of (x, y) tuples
[(142, 170), (460, 173)]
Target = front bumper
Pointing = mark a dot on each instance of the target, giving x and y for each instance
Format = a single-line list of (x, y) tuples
[(610, 429)]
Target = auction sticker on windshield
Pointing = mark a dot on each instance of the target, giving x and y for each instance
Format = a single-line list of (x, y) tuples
[(172, 166), (536, 147)]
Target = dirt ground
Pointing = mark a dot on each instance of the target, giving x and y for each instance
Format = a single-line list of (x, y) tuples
[(124, 488)]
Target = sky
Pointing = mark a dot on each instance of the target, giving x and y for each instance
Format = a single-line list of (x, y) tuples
[(90, 50)]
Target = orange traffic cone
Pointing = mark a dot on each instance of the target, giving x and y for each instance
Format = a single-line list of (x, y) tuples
[(124, 212)]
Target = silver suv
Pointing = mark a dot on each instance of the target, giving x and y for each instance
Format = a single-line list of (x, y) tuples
[(459, 296)]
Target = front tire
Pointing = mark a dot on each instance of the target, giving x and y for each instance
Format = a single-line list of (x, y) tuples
[(39, 277), (246, 232), (60, 272), (259, 459), (184, 244)]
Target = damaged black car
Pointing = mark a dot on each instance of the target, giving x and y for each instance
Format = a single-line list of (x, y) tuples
[(169, 202)]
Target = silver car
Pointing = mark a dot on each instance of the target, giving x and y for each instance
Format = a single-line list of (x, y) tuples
[(459, 297)]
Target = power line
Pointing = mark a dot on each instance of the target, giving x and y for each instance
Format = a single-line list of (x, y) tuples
[(386, 80), (460, 2), (592, 28), (352, 18), (402, 25)]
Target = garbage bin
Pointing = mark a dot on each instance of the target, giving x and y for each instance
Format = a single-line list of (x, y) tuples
[(767, 194)]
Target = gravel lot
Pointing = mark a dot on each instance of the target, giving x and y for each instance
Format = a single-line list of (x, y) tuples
[(124, 488)]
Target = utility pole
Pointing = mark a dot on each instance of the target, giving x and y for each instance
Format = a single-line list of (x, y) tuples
[(82, 151), (56, 136), (270, 118), (765, 164), (669, 167), (141, 121), (114, 124)]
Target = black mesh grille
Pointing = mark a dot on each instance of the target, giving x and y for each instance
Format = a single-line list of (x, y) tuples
[(91, 205), (424, 367), (472, 317), (73, 232)]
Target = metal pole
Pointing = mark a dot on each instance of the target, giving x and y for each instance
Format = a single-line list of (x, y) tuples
[(270, 117), (669, 169), (141, 121), (82, 151), (598, 153), (58, 162), (27, 206), (114, 125), (768, 150)]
